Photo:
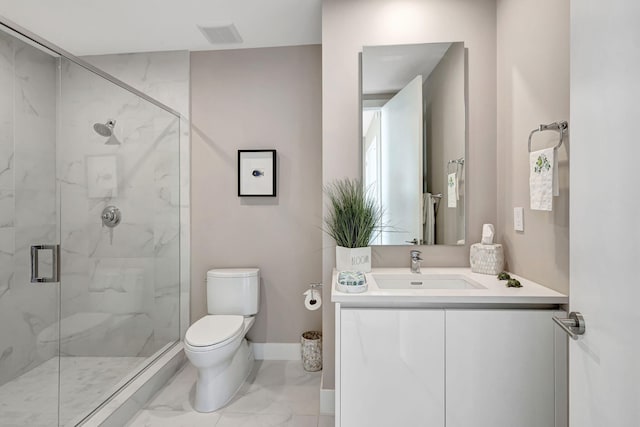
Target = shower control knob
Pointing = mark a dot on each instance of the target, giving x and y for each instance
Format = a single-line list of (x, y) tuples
[(111, 216)]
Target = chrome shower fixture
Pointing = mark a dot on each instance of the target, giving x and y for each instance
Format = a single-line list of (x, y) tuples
[(106, 129)]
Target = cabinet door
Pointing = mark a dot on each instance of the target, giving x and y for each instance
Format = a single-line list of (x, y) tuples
[(392, 368), (502, 367)]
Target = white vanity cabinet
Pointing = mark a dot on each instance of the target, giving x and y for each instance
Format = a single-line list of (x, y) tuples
[(391, 365), (449, 347), (505, 368), (456, 367)]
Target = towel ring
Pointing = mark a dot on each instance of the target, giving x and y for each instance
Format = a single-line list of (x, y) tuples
[(560, 127), (456, 162)]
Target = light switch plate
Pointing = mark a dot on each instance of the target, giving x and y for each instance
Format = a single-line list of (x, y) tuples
[(518, 219)]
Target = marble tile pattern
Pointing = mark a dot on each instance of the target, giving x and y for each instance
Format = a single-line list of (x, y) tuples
[(133, 268), (32, 399), (27, 200), (131, 273), (165, 77), (277, 393)]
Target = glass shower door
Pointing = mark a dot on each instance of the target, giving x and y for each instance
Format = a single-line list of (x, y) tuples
[(29, 292), (89, 235), (118, 168)]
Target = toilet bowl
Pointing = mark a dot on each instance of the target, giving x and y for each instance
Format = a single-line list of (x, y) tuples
[(217, 347), (216, 344)]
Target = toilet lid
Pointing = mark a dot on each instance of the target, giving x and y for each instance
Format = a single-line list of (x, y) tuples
[(213, 329)]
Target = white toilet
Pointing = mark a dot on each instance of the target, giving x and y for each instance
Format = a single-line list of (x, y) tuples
[(216, 344)]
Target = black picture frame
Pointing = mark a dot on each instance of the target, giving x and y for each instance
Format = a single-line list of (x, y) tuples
[(257, 173)]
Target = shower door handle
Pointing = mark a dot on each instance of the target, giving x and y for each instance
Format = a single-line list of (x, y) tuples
[(35, 263)]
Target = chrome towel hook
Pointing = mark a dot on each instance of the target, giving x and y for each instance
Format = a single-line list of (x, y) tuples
[(560, 127)]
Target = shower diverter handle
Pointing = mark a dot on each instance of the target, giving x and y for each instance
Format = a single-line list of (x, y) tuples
[(111, 216)]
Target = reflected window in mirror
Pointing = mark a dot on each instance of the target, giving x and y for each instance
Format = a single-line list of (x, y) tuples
[(413, 103)]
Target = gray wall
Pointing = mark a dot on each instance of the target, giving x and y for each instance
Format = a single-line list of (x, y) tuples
[(533, 88), (346, 27), (445, 118), (252, 99)]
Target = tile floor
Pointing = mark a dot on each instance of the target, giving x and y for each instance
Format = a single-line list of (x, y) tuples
[(277, 393), (32, 398)]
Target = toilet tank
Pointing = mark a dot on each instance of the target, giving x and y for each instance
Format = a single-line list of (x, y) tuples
[(233, 291)]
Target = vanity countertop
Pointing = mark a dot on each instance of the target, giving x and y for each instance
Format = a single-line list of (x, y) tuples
[(494, 293)]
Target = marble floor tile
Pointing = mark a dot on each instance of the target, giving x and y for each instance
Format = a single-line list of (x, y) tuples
[(32, 398), (86, 381), (230, 419), (277, 393), (167, 418)]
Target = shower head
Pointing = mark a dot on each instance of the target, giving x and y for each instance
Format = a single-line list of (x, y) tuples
[(106, 129)]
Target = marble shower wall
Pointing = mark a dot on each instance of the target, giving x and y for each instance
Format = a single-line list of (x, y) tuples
[(164, 76), (132, 269), (129, 278), (27, 201)]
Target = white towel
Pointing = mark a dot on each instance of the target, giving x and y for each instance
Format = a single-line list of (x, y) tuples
[(429, 218), (452, 190), (543, 179)]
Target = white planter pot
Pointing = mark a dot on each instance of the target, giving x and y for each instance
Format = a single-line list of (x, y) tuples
[(353, 259)]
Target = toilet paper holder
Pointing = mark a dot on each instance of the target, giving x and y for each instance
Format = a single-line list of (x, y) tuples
[(313, 298), (312, 287)]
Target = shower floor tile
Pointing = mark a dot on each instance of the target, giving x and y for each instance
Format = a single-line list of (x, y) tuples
[(32, 398), (277, 393)]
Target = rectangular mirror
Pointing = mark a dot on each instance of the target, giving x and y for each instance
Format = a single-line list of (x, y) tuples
[(414, 141)]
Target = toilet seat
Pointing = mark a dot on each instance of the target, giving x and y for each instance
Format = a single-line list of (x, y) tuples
[(213, 331)]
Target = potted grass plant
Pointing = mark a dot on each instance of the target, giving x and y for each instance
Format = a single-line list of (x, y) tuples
[(353, 219)]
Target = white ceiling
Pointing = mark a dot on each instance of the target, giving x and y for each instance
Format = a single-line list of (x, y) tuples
[(387, 69), (94, 27)]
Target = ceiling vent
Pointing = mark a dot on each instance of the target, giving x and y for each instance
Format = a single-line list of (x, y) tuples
[(221, 34)]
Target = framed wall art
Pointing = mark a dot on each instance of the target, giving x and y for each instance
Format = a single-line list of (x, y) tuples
[(256, 173)]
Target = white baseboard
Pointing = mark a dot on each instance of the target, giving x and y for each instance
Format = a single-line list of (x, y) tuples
[(276, 351), (327, 400)]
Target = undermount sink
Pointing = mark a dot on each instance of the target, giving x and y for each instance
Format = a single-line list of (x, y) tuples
[(425, 281)]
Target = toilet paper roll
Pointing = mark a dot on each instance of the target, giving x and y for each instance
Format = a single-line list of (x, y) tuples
[(312, 300)]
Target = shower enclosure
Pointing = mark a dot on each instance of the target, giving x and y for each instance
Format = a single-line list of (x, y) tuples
[(89, 234)]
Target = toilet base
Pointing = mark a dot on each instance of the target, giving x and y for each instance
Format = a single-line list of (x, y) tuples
[(214, 389)]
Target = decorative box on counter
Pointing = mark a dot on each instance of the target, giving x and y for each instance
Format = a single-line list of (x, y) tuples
[(351, 282), (486, 259)]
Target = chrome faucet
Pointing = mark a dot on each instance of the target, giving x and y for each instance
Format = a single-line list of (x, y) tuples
[(415, 261)]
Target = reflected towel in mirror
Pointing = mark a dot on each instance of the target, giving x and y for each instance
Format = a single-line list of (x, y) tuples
[(452, 190), (429, 218)]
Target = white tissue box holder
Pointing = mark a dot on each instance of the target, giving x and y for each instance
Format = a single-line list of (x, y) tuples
[(486, 259)]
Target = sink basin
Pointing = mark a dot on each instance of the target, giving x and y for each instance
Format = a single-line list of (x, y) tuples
[(425, 281)]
